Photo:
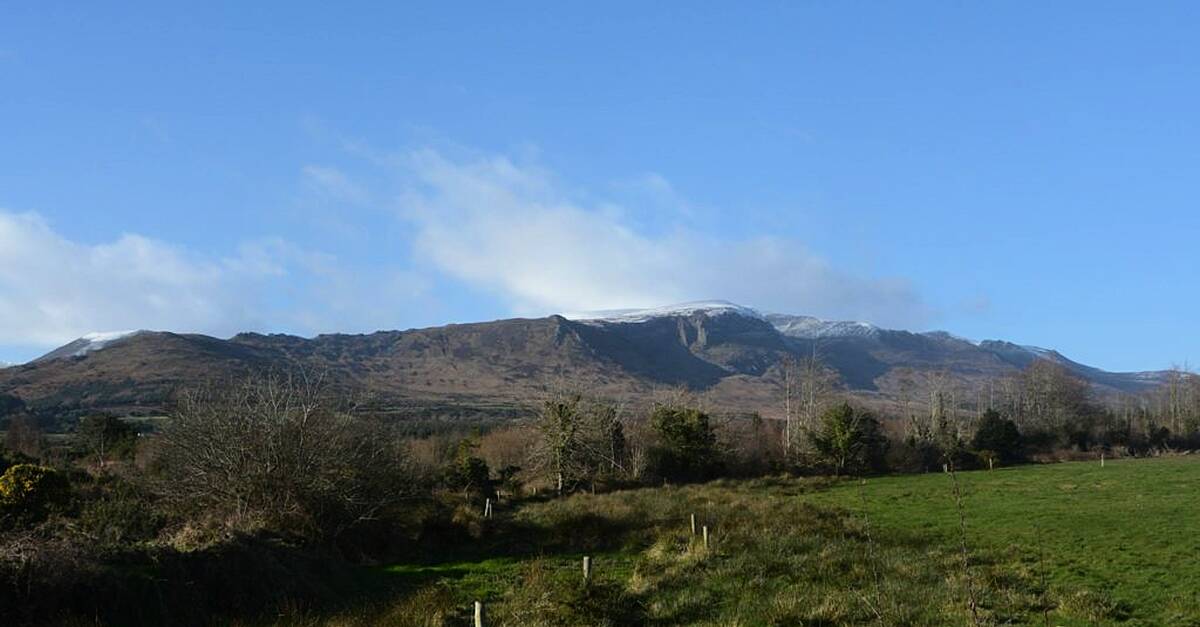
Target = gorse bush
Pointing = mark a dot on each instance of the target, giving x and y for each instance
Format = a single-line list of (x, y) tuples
[(29, 493)]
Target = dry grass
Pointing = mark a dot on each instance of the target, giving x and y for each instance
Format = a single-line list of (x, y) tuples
[(774, 559)]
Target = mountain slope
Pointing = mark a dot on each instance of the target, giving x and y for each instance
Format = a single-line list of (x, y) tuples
[(732, 352)]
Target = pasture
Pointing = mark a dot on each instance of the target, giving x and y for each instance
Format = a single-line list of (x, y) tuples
[(1065, 544)]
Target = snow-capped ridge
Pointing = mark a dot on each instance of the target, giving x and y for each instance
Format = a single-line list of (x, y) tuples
[(1045, 353), (810, 328), (941, 334), (101, 338), (89, 343), (707, 307)]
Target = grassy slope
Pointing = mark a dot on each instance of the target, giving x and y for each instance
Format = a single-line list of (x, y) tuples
[(1116, 546), (1125, 535)]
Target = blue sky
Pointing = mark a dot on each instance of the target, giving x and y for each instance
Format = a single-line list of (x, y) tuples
[(1013, 170)]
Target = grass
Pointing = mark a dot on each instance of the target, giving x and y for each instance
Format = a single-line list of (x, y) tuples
[(1067, 544), (1122, 537)]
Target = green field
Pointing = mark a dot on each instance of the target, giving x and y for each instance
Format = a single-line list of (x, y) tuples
[(1127, 533), (1066, 544)]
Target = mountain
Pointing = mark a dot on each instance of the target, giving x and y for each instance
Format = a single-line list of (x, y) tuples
[(731, 353), (86, 344)]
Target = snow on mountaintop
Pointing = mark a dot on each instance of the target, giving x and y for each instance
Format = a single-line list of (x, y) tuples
[(946, 335), (810, 328), (97, 341), (87, 344), (1039, 351), (709, 307)]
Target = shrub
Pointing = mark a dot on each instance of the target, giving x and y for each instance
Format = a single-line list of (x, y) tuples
[(998, 436), (914, 455), (580, 440), (687, 444), (468, 472), (120, 517), (30, 493), (275, 451), (106, 437), (850, 440)]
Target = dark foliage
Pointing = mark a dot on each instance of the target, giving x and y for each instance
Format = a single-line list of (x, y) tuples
[(850, 440), (998, 435), (687, 445)]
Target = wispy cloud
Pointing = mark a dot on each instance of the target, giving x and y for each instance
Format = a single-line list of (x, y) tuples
[(505, 226), (335, 184), (513, 229)]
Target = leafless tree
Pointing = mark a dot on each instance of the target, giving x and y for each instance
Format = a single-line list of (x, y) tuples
[(274, 449), (817, 384), (579, 438), (24, 436), (788, 366)]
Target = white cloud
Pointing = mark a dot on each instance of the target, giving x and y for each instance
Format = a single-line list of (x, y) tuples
[(541, 246), (53, 289), (512, 229)]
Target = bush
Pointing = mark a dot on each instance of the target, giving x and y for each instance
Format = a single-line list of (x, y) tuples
[(120, 517), (687, 445), (29, 493), (106, 437), (914, 455), (850, 440), (275, 452), (998, 436), (469, 473)]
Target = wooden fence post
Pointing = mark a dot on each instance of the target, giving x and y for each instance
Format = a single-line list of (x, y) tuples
[(705, 536), (1102, 460), (478, 614), (587, 569), (991, 464), (693, 524)]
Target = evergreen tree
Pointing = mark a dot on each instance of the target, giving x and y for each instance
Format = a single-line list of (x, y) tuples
[(850, 440)]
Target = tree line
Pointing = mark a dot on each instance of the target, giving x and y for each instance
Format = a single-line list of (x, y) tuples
[(283, 456)]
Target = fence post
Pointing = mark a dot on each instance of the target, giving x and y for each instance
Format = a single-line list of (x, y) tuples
[(991, 464), (478, 614), (587, 568), (705, 536), (1102, 460), (693, 524)]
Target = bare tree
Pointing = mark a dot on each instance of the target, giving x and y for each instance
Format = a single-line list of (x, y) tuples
[(817, 383), (24, 436), (788, 365), (578, 440), (274, 449)]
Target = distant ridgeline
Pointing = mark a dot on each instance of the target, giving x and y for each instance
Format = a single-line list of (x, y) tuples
[(734, 354)]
